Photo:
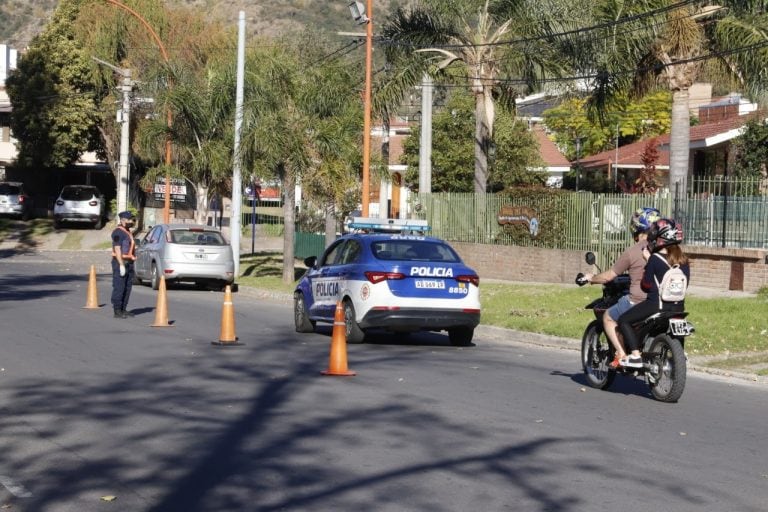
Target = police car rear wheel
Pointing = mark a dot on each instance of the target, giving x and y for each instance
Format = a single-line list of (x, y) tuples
[(461, 336), (300, 315), (354, 333)]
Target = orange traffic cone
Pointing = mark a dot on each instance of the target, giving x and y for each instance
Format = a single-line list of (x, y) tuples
[(161, 310), (227, 337), (338, 359), (92, 299)]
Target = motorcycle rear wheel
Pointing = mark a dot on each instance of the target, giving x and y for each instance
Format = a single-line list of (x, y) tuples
[(667, 373), (596, 354)]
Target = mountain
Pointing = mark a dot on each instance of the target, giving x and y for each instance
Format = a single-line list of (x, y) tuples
[(23, 19)]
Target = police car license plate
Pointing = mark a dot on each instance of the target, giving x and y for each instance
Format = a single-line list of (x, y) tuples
[(430, 284), (201, 256)]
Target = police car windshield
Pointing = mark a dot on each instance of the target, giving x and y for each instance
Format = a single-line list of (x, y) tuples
[(418, 250)]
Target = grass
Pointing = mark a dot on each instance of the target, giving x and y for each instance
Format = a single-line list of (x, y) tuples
[(723, 325), (34, 228), (72, 242), (265, 270)]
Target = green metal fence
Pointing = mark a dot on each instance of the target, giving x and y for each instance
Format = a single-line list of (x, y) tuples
[(308, 244), (584, 221), (718, 212)]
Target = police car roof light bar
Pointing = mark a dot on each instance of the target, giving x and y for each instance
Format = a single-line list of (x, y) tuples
[(389, 225)]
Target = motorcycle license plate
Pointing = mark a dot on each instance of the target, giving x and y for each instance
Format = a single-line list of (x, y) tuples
[(680, 327)]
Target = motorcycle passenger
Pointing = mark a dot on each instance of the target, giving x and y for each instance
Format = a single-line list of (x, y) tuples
[(633, 262), (664, 239)]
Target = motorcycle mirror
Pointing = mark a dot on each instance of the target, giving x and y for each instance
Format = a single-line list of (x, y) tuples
[(590, 258)]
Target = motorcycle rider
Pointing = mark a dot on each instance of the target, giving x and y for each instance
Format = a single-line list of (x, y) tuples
[(633, 262), (663, 251)]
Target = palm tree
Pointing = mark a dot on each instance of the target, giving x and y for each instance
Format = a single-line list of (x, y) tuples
[(301, 124), (670, 53), (478, 44)]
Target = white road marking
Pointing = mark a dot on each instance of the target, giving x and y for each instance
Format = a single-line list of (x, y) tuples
[(15, 488)]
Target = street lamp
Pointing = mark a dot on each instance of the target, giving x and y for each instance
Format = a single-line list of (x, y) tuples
[(357, 9), (364, 15)]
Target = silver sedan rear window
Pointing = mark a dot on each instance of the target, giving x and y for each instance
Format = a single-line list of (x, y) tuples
[(188, 237)]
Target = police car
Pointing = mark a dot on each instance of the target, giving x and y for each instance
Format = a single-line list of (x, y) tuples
[(389, 275)]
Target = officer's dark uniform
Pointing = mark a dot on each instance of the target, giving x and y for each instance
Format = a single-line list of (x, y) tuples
[(121, 285)]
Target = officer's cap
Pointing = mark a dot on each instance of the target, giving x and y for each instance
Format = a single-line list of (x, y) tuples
[(126, 215)]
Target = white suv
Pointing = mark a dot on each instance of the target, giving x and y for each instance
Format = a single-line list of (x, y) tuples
[(79, 203)]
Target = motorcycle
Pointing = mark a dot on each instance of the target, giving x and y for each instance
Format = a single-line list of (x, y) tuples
[(663, 340)]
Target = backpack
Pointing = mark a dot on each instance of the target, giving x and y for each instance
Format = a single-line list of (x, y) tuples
[(673, 285)]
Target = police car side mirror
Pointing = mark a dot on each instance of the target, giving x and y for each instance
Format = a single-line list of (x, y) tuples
[(310, 261)]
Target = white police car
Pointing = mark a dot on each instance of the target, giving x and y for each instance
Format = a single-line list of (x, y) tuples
[(387, 279)]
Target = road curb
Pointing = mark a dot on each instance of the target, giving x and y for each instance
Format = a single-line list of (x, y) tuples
[(531, 338)]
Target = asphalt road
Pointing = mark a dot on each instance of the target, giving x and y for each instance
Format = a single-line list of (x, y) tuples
[(94, 407)]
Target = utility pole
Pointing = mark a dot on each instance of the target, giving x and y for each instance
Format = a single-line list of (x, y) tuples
[(125, 144), (237, 185), (367, 109), (425, 149), (124, 118)]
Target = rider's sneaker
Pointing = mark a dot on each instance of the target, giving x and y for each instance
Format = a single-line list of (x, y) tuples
[(632, 362)]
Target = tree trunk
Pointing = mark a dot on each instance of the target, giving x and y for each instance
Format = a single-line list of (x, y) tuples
[(330, 224), (679, 144), (201, 208), (289, 227), (484, 111)]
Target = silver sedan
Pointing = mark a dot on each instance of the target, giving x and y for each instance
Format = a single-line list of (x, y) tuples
[(184, 253)]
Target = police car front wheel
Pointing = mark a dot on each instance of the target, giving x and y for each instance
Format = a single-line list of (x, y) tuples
[(354, 333), (300, 314)]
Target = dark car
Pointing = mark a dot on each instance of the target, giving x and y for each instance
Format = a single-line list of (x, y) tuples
[(14, 200)]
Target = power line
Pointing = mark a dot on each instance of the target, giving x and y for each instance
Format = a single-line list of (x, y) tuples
[(522, 40)]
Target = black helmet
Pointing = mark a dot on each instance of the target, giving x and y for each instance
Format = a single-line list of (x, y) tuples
[(663, 233)]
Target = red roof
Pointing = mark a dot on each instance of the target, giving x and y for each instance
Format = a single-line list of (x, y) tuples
[(549, 152), (629, 155)]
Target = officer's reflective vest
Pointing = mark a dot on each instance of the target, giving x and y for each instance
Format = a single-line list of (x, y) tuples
[(130, 255)]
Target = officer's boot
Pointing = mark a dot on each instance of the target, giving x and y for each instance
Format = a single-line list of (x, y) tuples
[(119, 313), (127, 314)]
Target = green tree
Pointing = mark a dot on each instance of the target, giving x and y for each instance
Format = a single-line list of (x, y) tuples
[(646, 117), (667, 50), (302, 124), (463, 42), (55, 116), (516, 150), (751, 148)]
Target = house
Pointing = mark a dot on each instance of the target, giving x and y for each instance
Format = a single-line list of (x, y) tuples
[(555, 163), (710, 144)]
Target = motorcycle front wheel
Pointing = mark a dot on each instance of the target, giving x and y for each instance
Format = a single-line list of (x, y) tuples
[(667, 368), (596, 354)]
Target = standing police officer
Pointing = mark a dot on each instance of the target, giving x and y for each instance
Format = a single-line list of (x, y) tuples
[(123, 256)]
